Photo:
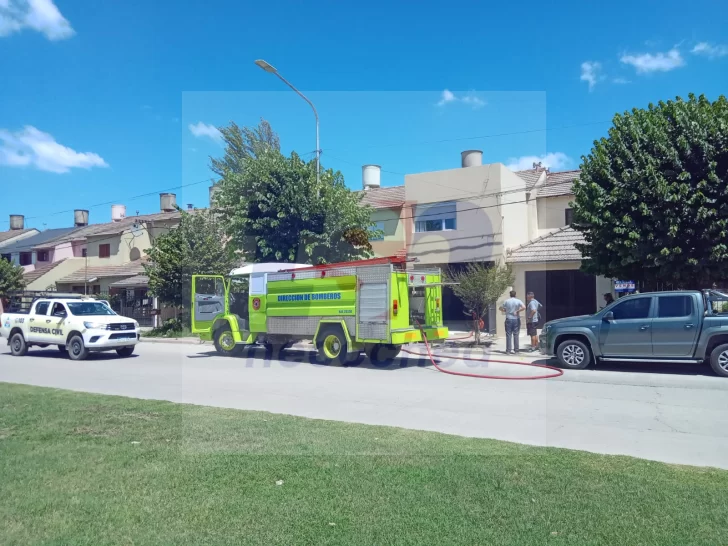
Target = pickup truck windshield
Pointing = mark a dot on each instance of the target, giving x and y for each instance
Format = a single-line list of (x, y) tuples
[(89, 308)]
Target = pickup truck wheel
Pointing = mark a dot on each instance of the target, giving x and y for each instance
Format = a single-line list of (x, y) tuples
[(77, 349), (573, 354), (719, 360), (125, 352), (18, 347)]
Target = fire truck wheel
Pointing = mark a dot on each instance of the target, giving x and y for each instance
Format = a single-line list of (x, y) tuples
[(225, 343), (331, 345), (383, 353)]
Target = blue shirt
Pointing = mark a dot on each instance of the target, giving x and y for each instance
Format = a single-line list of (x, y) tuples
[(511, 306)]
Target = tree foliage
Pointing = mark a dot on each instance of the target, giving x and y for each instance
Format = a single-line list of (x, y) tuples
[(242, 143), (479, 286), (11, 277), (274, 210), (652, 199), (196, 247)]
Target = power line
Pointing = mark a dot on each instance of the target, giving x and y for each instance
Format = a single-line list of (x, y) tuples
[(494, 135), (120, 200)]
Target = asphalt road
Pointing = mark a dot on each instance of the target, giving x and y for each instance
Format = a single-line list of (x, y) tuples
[(677, 416)]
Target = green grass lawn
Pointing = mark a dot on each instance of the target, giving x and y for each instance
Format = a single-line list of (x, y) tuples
[(86, 469)]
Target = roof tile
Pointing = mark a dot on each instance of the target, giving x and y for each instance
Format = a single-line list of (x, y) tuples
[(557, 184), (83, 274), (557, 246), (384, 198)]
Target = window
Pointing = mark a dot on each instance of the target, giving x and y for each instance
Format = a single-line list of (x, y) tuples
[(435, 217), (637, 308), (105, 250), (378, 226), (89, 308), (42, 308), (568, 217), (675, 306), (84, 253), (26, 258), (42, 256), (59, 310)]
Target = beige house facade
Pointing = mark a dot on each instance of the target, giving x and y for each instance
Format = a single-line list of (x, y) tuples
[(488, 213)]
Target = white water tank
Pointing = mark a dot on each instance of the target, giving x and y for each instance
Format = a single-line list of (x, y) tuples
[(17, 222), (80, 218), (167, 202), (371, 176), (118, 213), (471, 158)]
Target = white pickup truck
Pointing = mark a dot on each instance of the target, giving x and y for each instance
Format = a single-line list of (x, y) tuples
[(77, 326)]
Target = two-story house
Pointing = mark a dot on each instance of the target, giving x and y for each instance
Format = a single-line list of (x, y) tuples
[(488, 213)]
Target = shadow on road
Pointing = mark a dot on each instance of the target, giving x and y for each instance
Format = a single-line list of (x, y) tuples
[(58, 355)]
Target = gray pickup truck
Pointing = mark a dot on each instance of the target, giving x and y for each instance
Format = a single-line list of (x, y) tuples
[(686, 327)]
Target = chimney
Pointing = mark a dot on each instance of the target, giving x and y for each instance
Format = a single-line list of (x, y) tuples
[(471, 158), (370, 176), (167, 202), (17, 222), (80, 218), (118, 213)]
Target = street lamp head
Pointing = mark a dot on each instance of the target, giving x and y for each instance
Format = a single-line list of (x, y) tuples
[(266, 66)]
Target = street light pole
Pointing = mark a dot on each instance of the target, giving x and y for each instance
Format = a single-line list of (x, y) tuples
[(272, 70)]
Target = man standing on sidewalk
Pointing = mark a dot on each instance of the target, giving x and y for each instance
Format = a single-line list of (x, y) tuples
[(533, 316), (512, 307)]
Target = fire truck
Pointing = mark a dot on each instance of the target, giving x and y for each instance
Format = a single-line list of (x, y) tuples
[(371, 306)]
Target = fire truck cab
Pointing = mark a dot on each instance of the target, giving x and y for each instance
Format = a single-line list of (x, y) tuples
[(372, 306)]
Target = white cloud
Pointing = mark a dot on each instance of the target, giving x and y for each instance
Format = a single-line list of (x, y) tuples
[(40, 15), (645, 63), (556, 161), (471, 99), (591, 73), (31, 146), (201, 129), (710, 51), (621, 81), (447, 96)]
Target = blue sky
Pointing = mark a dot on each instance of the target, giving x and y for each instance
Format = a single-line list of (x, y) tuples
[(97, 99)]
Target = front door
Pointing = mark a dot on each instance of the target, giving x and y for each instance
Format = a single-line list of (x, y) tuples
[(57, 323), (208, 301), (675, 326), (39, 323), (629, 332)]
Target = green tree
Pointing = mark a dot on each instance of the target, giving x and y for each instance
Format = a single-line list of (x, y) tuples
[(197, 246), (274, 210), (479, 286), (242, 143), (11, 277), (652, 200)]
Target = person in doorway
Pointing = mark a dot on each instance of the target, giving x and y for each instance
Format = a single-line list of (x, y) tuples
[(512, 307), (533, 316), (608, 299)]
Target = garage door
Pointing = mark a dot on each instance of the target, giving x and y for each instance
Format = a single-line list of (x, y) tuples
[(564, 293)]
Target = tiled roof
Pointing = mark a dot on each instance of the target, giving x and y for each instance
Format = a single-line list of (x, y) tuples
[(558, 184), (384, 198), (39, 271), (531, 176), (11, 234), (136, 280), (557, 246), (112, 228), (130, 269), (26, 244)]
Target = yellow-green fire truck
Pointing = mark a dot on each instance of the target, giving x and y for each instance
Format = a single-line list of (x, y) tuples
[(372, 306)]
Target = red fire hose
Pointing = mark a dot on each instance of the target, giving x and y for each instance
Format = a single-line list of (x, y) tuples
[(554, 372)]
